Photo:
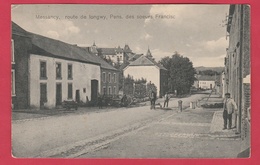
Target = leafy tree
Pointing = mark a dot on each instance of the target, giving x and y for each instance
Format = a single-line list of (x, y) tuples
[(128, 86), (181, 71), (140, 81), (149, 88), (209, 72), (140, 88)]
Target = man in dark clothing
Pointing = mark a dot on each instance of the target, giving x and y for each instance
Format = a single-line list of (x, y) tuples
[(153, 99), (124, 101), (166, 100), (99, 101)]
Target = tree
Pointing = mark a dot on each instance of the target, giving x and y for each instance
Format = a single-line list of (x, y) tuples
[(181, 71), (140, 88), (128, 86), (209, 72)]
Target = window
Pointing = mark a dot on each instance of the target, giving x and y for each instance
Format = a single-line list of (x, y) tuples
[(84, 90), (104, 90), (114, 90), (70, 91), (43, 70), (70, 71), (58, 70), (114, 77), (109, 90), (104, 76), (13, 82), (12, 51), (109, 77)]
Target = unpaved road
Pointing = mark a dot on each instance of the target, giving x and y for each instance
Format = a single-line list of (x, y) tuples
[(68, 136)]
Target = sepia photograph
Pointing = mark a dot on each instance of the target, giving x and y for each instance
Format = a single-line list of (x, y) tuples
[(130, 81)]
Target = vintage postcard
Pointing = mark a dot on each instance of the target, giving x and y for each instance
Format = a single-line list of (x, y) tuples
[(130, 81)]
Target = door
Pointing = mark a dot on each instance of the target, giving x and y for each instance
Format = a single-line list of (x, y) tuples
[(94, 90), (77, 96), (58, 94), (43, 94)]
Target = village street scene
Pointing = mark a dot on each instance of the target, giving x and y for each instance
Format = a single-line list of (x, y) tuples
[(131, 81)]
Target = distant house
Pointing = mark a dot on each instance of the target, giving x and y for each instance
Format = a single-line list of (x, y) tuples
[(46, 71), (206, 82), (115, 55), (146, 67)]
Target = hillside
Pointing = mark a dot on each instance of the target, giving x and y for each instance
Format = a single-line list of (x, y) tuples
[(202, 68)]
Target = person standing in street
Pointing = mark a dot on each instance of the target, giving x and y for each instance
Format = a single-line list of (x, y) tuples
[(166, 99), (152, 99), (99, 101), (230, 107)]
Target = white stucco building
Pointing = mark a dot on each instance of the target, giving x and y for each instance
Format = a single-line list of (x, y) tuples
[(206, 82), (59, 71), (145, 67)]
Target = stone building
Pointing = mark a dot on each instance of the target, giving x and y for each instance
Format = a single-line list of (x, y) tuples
[(237, 66)]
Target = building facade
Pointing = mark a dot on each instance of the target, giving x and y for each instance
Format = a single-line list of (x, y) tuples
[(53, 80), (145, 67), (237, 66), (45, 72), (21, 46), (109, 76), (206, 81), (109, 82)]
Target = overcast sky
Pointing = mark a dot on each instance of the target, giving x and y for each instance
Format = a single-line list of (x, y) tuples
[(195, 31)]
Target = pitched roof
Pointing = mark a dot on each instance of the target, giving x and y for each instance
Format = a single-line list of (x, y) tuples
[(123, 65), (106, 51), (51, 47), (98, 59), (16, 29), (132, 57), (146, 61)]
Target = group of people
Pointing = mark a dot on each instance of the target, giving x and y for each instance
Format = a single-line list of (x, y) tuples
[(229, 107), (153, 97)]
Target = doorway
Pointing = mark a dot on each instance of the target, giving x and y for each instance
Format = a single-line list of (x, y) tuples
[(77, 96), (94, 90), (43, 94), (58, 94)]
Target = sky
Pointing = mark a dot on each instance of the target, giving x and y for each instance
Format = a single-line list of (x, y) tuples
[(194, 31)]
